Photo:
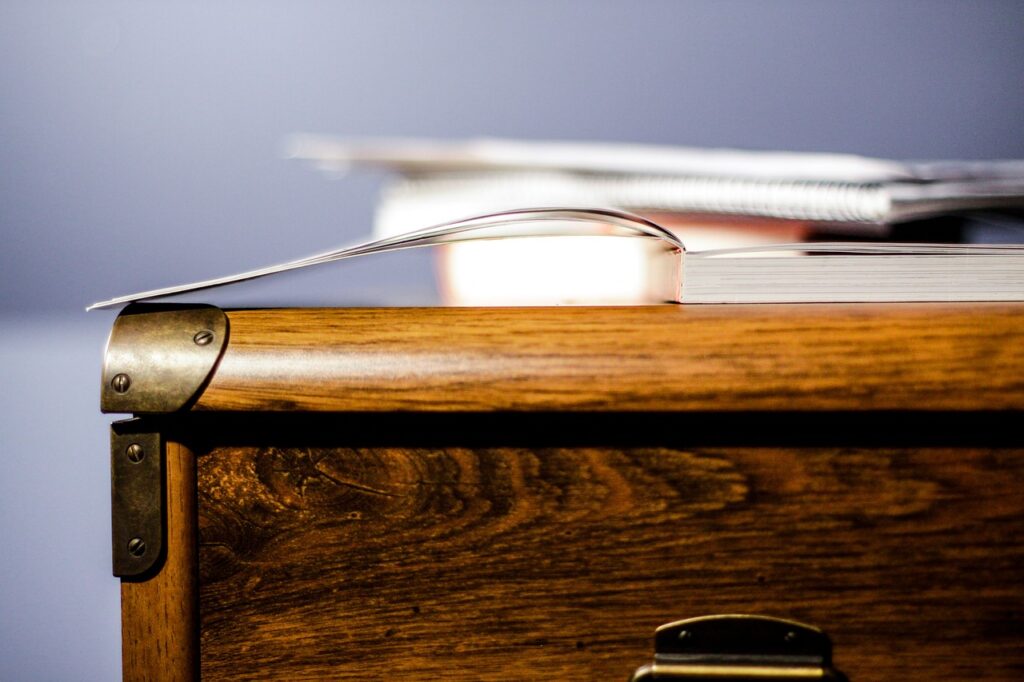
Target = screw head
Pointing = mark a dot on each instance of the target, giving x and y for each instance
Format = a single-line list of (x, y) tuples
[(203, 337), (791, 637), (135, 453), (684, 636), (136, 547), (121, 383)]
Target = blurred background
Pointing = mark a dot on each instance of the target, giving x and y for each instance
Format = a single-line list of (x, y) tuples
[(141, 146)]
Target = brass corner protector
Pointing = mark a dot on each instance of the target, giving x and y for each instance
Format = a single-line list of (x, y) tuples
[(159, 357)]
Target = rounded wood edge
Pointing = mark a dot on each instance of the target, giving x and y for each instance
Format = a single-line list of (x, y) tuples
[(160, 616), (804, 357)]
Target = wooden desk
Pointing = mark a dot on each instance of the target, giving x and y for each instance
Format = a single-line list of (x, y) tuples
[(507, 494)]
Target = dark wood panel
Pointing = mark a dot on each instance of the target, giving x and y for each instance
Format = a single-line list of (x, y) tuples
[(521, 563), (726, 358)]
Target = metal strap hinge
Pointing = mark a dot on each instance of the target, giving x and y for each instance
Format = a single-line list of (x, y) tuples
[(739, 647), (137, 498)]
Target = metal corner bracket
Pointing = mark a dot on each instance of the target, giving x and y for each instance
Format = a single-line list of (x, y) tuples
[(159, 357), (137, 498)]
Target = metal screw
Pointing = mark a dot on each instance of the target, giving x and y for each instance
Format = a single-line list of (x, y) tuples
[(203, 338), (685, 635), (121, 383), (136, 547), (135, 453), (790, 637)]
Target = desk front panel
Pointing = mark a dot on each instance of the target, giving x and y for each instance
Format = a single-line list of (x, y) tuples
[(509, 550)]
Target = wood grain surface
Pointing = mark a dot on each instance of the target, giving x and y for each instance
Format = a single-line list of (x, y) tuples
[(725, 358), (160, 615), (527, 563)]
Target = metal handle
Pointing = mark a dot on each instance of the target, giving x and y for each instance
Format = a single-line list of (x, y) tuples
[(731, 647)]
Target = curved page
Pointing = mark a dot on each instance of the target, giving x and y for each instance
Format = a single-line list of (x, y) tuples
[(541, 222)]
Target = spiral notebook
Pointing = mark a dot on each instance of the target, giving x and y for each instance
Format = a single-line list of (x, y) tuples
[(856, 194)]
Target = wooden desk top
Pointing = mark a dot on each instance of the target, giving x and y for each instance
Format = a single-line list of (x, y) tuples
[(847, 357)]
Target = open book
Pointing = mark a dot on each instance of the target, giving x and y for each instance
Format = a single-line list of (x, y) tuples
[(709, 198), (781, 273)]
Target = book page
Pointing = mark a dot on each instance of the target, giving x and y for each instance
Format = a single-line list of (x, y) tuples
[(542, 222), (834, 272)]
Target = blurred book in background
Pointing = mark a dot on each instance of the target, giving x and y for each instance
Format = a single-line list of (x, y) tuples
[(710, 199)]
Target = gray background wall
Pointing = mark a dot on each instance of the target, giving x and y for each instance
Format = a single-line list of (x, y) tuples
[(140, 146)]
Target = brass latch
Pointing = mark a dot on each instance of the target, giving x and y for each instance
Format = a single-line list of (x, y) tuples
[(739, 647)]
